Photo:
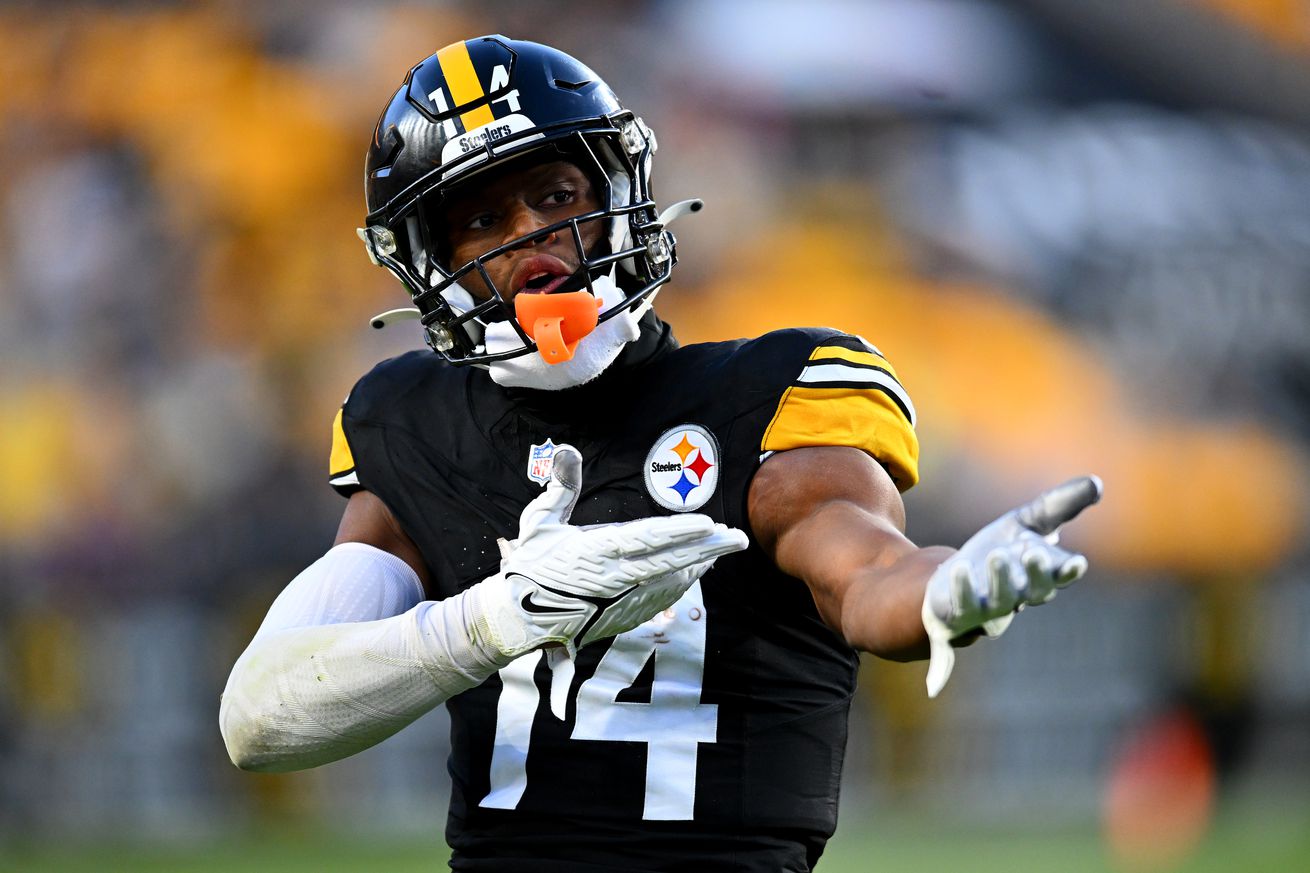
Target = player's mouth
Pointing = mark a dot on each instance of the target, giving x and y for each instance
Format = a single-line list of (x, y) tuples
[(543, 283), (545, 274)]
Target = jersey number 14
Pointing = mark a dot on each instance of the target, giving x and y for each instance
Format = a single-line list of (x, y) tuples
[(672, 724)]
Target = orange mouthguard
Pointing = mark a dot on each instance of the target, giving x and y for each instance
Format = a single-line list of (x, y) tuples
[(557, 322)]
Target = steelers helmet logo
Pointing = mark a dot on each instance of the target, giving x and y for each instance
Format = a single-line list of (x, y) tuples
[(682, 468)]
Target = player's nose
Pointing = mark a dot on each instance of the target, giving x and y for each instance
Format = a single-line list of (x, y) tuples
[(523, 220)]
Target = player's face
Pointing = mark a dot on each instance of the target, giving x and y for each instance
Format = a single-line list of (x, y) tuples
[(516, 203)]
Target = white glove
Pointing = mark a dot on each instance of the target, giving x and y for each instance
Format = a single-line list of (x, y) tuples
[(572, 585), (1011, 563)]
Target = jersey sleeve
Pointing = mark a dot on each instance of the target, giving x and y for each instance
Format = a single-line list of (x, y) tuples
[(341, 461), (848, 394)]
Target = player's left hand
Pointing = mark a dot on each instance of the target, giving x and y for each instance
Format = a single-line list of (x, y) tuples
[(1011, 563)]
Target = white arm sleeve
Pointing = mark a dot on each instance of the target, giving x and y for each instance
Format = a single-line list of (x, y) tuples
[(349, 654)]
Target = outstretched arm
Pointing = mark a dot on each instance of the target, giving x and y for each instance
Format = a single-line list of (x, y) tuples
[(832, 517)]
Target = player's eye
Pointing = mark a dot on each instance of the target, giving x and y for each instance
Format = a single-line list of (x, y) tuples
[(481, 221), (561, 196)]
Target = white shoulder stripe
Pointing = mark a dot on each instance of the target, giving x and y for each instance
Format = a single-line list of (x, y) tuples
[(859, 376), (351, 478)]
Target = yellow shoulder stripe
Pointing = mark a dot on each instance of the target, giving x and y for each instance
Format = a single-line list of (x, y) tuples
[(862, 418), (341, 460), (854, 357)]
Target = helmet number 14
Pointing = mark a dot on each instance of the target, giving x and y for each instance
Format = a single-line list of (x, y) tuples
[(499, 79)]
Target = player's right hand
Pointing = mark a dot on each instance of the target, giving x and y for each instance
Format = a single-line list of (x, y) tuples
[(559, 583)]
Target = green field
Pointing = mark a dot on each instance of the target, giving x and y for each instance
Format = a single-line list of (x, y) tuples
[(1278, 842)]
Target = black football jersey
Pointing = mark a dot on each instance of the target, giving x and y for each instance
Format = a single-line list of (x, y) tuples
[(711, 737)]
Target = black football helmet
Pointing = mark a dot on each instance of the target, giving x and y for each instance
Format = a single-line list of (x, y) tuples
[(476, 105)]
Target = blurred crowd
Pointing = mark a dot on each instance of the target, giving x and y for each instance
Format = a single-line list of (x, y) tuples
[(1082, 252)]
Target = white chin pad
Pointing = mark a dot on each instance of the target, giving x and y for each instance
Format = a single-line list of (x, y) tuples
[(594, 353), (461, 301), (619, 236)]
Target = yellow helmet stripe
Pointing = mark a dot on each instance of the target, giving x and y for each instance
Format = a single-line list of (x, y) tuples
[(462, 79)]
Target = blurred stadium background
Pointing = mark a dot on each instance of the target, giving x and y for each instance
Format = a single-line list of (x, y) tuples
[(1080, 229)]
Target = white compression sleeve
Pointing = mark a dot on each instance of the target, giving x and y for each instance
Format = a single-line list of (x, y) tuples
[(348, 655)]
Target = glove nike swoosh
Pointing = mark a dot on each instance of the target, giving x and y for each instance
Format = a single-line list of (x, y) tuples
[(529, 605), (600, 603)]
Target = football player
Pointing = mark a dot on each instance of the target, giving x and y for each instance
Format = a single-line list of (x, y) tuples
[(638, 575)]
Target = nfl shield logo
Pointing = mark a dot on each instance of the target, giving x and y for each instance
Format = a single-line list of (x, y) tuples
[(541, 460)]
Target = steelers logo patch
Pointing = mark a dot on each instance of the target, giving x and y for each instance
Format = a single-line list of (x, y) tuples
[(682, 468)]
